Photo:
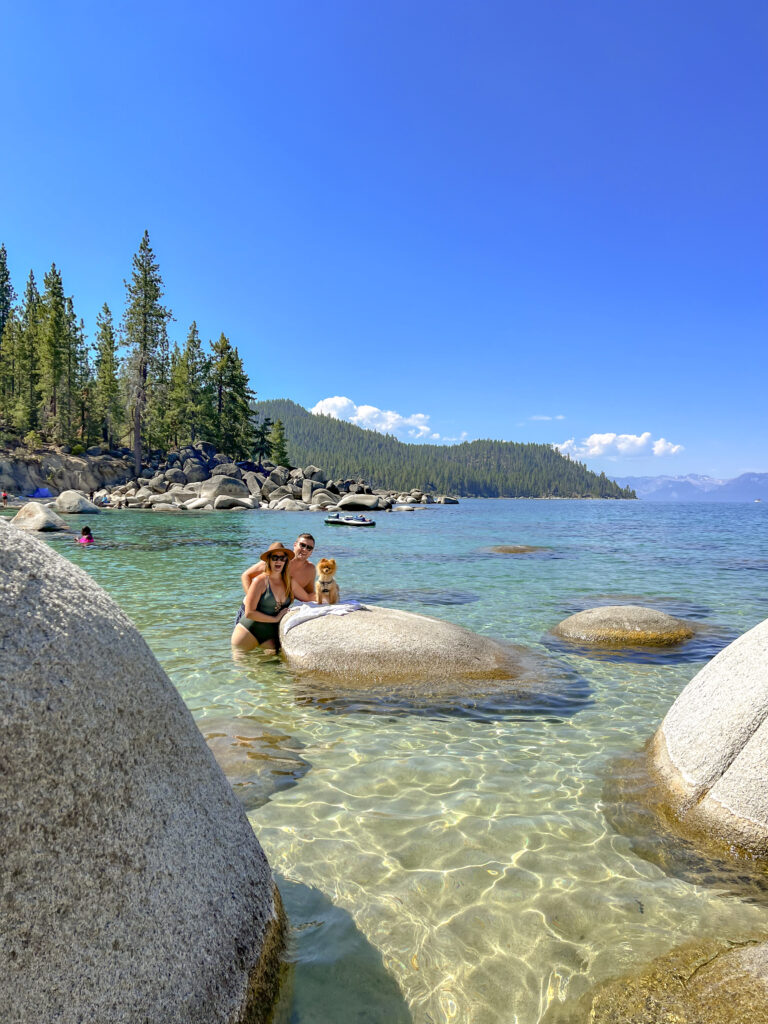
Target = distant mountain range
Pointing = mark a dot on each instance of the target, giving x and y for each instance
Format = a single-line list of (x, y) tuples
[(747, 487)]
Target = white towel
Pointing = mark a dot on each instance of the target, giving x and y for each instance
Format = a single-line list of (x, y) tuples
[(311, 610)]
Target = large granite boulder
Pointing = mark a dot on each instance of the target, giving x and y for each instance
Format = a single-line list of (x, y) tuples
[(701, 983), (35, 516), (211, 489), (362, 503), (384, 643), (194, 471), (710, 754), (227, 469), (227, 501), (72, 503), (134, 887), (624, 625)]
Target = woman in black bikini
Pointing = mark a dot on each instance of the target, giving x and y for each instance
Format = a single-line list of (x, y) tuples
[(267, 600)]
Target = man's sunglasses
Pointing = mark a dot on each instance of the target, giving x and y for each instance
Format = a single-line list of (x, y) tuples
[(309, 547)]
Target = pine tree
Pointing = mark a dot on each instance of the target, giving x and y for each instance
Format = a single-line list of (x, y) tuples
[(106, 405), (25, 391), (262, 449), (232, 398), (7, 294), (190, 400), (277, 443), (9, 346), (145, 322), (52, 347)]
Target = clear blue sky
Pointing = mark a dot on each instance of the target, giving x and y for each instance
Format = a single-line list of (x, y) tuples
[(530, 221)]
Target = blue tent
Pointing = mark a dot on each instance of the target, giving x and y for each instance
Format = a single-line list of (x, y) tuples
[(41, 492)]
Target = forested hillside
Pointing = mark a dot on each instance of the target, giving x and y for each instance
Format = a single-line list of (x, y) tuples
[(491, 469)]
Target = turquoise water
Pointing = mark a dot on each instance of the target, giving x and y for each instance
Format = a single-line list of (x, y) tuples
[(452, 862)]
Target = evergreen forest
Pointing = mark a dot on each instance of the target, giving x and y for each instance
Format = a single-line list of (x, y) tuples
[(129, 385), (487, 469)]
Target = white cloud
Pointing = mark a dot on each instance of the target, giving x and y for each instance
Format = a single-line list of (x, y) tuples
[(558, 417), (614, 445), (664, 447), (386, 421)]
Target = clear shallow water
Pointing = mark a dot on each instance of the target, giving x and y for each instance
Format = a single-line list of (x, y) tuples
[(439, 865)]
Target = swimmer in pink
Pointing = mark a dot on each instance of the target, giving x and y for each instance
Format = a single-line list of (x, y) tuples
[(86, 537)]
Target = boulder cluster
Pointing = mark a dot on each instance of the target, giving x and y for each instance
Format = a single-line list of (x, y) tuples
[(198, 477)]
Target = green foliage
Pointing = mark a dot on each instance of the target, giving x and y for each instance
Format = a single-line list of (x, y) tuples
[(78, 449), (7, 294), (145, 323), (233, 426), (277, 444), (475, 468), (33, 439), (191, 391), (262, 446), (107, 409)]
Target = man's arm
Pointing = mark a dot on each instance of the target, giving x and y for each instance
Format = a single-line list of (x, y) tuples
[(250, 575)]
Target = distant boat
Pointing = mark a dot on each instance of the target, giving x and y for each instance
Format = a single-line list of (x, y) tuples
[(758, 500), (336, 520)]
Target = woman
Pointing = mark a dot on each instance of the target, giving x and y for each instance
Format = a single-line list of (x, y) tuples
[(268, 599)]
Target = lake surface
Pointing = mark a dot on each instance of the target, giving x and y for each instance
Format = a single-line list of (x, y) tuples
[(454, 862)]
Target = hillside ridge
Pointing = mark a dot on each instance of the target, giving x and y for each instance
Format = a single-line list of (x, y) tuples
[(483, 468)]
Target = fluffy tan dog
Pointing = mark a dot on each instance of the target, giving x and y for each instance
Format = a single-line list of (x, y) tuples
[(326, 589)]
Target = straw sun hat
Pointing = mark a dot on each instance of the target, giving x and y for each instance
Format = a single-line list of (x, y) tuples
[(276, 547)]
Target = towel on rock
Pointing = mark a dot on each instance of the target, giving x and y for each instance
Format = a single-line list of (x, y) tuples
[(311, 610)]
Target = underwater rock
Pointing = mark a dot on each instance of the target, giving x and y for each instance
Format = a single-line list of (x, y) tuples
[(515, 549), (624, 626), (700, 983), (710, 753), (135, 888)]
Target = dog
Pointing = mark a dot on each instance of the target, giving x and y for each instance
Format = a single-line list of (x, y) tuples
[(326, 589)]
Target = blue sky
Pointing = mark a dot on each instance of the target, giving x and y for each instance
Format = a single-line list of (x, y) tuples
[(536, 222)]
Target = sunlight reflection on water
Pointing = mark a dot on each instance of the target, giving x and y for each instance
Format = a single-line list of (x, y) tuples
[(450, 866)]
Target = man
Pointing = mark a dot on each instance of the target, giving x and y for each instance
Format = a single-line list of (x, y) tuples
[(301, 569)]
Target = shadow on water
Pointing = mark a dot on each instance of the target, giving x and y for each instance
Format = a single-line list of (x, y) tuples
[(629, 799), (335, 975), (703, 646), (256, 762), (559, 696), (418, 595)]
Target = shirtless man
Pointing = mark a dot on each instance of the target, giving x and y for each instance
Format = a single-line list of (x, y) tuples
[(301, 569)]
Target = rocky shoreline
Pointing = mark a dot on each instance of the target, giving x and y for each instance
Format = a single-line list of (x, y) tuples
[(195, 477)]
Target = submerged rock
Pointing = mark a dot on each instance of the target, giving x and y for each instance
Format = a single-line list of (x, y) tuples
[(701, 983), (710, 753), (515, 549), (624, 626), (34, 516), (135, 889)]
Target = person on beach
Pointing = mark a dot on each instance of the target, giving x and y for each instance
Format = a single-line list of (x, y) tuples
[(268, 599), (301, 569), (86, 537), (5, 499)]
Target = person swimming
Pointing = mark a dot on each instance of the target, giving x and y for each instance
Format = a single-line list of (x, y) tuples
[(86, 537)]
